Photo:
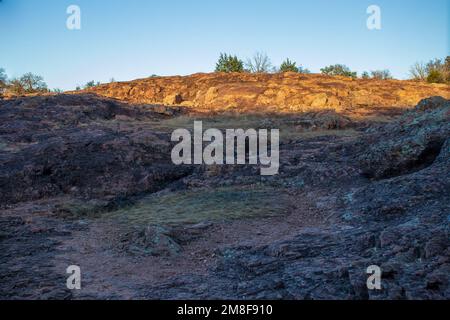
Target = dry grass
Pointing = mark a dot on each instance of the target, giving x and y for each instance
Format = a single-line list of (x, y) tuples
[(288, 126), (194, 206)]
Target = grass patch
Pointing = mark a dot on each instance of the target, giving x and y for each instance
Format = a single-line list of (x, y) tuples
[(81, 209), (289, 129), (195, 206)]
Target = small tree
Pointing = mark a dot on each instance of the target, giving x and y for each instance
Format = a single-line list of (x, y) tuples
[(365, 75), (288, 66), (338, 70), (381, 74), (419, 71), (28, 83), (259, 63), (33, 83), (303, 70), (229, 63), (90, 84)]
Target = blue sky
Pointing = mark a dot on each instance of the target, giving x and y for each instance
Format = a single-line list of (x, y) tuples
[(128, 39)]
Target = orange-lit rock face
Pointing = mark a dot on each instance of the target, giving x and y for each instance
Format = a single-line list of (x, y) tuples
[(288, 92)]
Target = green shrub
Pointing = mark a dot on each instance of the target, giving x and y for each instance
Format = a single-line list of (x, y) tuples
[(365, 75), (435, 76), (338, 70), (288, 66), (229, 63), (91, 84)]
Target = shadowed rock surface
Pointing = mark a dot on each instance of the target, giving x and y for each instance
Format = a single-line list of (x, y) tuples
[(400, 224), (62, 145), (88, 180)]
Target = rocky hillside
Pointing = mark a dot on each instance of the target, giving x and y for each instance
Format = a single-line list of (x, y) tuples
[(287, 92), (88, 180)]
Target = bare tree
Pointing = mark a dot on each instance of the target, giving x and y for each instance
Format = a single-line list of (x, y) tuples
[(33, 83), (28, 83), (419, 71), (259, 63), (381, 74)]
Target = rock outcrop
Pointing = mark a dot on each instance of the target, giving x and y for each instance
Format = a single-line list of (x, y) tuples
[(72, 145), (400, 224), (284, 92)]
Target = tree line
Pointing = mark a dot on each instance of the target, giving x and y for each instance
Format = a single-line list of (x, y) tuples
[(30, 83), (27, 83), (435, 71)]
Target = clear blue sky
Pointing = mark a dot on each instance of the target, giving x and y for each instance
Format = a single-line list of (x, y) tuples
[(128, 39)]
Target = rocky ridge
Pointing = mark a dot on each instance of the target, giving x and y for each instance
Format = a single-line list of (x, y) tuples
[(283, 92)]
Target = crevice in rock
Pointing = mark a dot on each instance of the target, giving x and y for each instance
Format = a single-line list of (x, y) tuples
[(424, 160)]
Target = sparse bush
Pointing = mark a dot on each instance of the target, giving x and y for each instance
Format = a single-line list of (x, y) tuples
[(28, 83), (435, 76), (291, 66), (439, 70), (91, 84), (419, 71), (229, 63), (288, 66), (435, 71), (259, 63), (303, 70), (381, 74), (447, 69), (338, 70), (365, 75)]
